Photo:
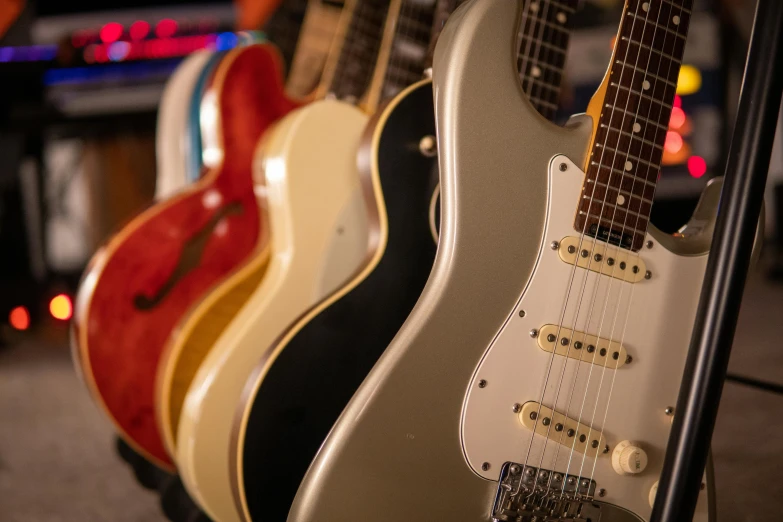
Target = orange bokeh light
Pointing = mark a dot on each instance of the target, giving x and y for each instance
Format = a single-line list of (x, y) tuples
[(677, 119), (673, 142), (19, 318), (61, 307)]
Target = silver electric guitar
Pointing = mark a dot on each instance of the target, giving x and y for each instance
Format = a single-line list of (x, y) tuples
[(535, 378)]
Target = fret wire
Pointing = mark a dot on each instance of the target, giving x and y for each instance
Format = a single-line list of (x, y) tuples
[(631, 135), (651, 75), (626, 193), (642, 95), (651, 50), (629, 155), (676, 6), (545, 44), (675, 33), (638, 118)]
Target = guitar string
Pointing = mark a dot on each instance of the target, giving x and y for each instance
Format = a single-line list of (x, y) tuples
[(550, 78), (611, 277), (563, 431), (661, 112), (524, 29), (543, 392), (599, 278)]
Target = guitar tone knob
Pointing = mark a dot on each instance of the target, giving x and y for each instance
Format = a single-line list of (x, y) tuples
[(653, 491), (628, 458)]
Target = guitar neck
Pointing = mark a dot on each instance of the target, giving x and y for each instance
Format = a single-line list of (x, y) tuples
[(312, 49), (544, 34), (357, 45), (403, 53), (284, 27), (625, 159)]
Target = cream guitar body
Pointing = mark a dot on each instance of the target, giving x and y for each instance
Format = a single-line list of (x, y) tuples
[(319, 238)]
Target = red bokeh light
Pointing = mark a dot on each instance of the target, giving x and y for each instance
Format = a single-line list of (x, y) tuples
[(677, 100), (139, 30), (697, 166), (677, 119), (673, 142), (19, 318), (166, 28), (111, 32)]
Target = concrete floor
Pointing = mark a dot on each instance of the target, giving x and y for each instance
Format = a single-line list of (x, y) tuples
[(58, 463)]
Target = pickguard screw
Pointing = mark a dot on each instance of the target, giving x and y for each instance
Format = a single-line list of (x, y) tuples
[(647, 274), (534, 333), (571, 249), (649, 244), (521, 313), (669, 410), (428, 146), (628, 360), (550, 338), (554, 245), (610, 261), (517, 408), (563, 167), (485, 466), (482, 383), (601, 492), (606, 448)]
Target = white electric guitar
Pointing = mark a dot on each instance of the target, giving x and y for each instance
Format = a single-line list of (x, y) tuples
[(535, 379)]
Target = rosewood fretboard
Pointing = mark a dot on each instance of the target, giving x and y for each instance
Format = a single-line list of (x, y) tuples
[(544, 32), (359, 49), (626, 156)]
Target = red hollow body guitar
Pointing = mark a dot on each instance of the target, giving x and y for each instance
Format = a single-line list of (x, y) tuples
[(144, 280)]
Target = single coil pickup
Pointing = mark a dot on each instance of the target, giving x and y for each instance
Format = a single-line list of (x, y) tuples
[(603, 258), (561, 429), (582, 346), (528, 494)]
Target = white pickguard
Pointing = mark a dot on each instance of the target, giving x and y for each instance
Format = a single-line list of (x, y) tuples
[(660, 314)]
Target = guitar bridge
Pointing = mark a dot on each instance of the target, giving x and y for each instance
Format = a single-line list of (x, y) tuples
[(528, 494)]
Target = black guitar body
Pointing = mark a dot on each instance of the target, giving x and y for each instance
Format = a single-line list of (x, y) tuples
[(321, 367)]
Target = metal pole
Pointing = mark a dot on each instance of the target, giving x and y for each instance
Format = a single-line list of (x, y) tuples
[(727, 267)]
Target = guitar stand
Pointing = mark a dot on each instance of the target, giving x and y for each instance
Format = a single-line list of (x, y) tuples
[(727, 268)]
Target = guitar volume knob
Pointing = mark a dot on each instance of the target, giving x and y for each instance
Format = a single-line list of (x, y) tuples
[(628, 458)]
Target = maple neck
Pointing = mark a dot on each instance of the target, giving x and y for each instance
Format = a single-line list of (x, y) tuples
[(625, 159), (357, 48), (544, 33), (403, 63), (284, 26)]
